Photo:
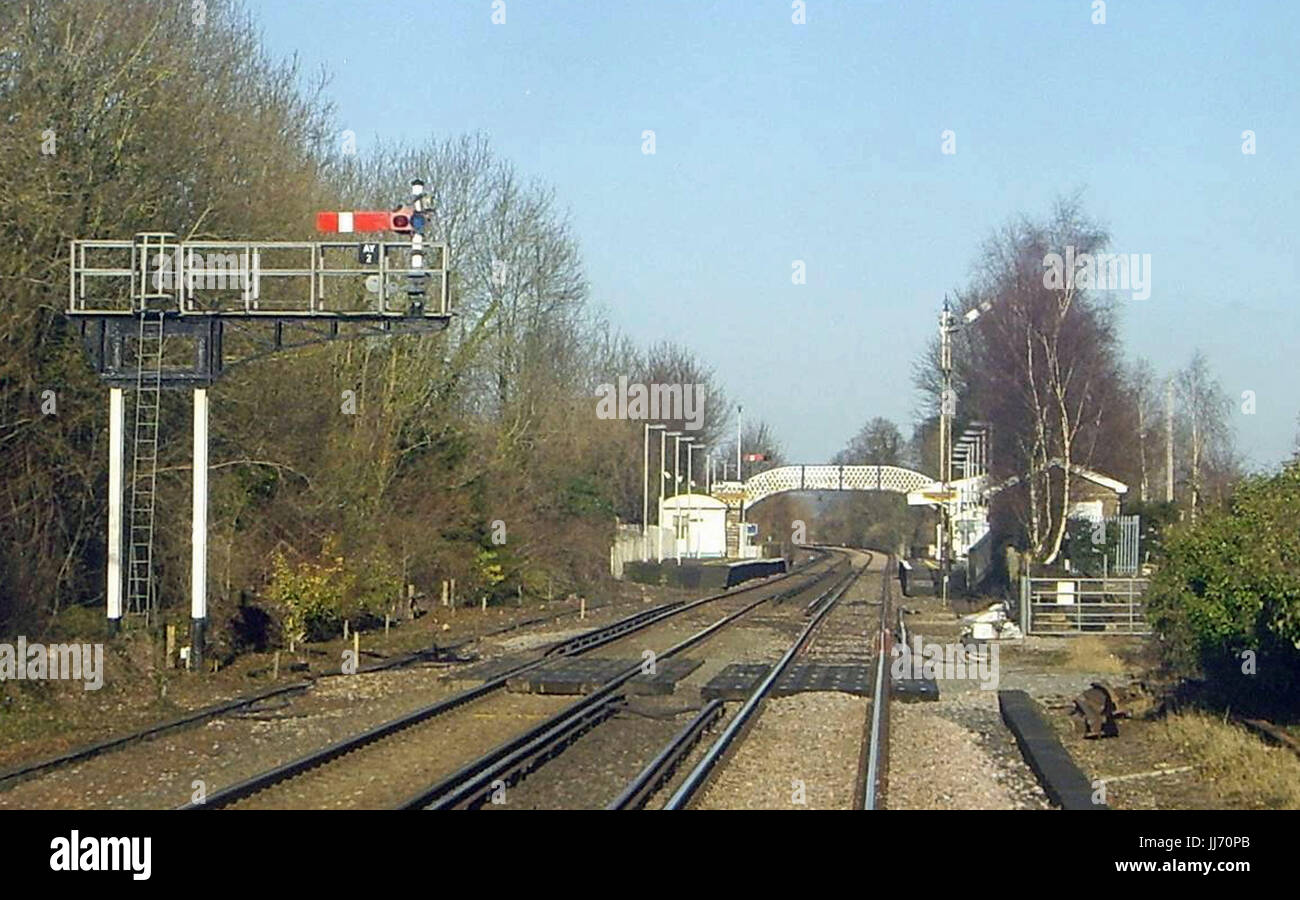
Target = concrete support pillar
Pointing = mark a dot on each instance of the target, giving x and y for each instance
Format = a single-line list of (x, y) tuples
[(199, 542), (116, 465)]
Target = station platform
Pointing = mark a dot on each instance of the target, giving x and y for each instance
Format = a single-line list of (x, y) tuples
[(706, 574)]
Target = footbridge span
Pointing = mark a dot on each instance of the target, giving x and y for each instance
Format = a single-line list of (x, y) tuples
[(824, 478), (965, 499)]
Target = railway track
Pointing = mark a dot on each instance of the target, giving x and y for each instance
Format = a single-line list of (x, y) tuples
[(371, 751), (581, 773), (874, 767), (840, 632), (505, 765), (37, 768), (660, 770), (817, 611)]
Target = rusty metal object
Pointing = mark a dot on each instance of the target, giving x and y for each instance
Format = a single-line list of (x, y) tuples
[(1097, 711)]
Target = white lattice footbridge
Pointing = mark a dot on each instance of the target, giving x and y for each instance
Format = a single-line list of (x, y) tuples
[(834, 478)]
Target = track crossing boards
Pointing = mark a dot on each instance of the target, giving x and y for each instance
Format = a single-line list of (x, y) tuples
[(738, 680), (585, 674)]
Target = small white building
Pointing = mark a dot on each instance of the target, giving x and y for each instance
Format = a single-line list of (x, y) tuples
[(700, 524)]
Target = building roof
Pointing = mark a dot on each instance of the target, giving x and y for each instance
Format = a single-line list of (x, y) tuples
[(1105, 481), (693, 501)]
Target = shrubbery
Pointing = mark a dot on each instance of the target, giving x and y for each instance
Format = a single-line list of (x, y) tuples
[(1226, 600), (315, 596)]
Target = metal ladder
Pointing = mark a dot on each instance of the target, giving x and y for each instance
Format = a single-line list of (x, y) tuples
[(140, 594)]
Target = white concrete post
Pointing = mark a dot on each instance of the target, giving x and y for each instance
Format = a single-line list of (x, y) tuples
[(116, 463), (645, 483), (199, 542)]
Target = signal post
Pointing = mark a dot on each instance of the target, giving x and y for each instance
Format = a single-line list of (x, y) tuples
[(156, 313)]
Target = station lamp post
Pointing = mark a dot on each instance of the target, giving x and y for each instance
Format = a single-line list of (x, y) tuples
[(677, 484), (690, 482), (948, 326), (663, 467), (690, 465), (663, 474), (645, 474), (678, 439)]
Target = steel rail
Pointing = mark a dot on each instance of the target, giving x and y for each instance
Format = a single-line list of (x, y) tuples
[(26, 771), (571, 647), (877, 751), (526, 752), (472, 780), (700, 774), (657, 772), (600, 636), (34, 769)]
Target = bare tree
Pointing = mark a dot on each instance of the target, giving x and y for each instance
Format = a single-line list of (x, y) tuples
[(1144, 391), (878, 443), (1040, 365), (757, 438), (669, 364), (1203, 427)]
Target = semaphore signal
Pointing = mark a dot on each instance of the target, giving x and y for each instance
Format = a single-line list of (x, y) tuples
[(130, 298), (409, 219)]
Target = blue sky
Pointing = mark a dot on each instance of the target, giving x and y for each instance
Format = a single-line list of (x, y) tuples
[(820, 142)]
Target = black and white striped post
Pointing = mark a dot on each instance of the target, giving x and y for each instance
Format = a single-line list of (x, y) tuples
[(416, 288)]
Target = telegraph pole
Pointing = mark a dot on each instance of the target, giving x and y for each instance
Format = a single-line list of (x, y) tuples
[(947, 408), (740, 476)]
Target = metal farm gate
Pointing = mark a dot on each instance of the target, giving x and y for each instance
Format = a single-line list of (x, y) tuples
[(1064, 606)]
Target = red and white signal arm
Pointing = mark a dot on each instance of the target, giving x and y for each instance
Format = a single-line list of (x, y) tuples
[(352, 222), (755, 457)]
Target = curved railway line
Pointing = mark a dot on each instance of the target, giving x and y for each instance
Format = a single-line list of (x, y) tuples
[(377, 762), (629, 742), (585, 735), (505, 765)]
